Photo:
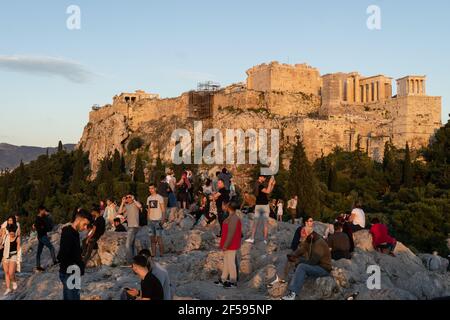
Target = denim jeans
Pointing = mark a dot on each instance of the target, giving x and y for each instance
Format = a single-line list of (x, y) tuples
[(303, 270), (131, 238), (68, 294), (44, 241)]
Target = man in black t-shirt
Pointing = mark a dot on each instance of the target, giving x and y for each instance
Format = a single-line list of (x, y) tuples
[(151, 288), (221, 197), (69, 255), (262, 209), (98, 229)]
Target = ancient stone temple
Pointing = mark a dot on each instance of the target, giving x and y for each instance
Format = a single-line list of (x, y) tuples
[(339, 109)]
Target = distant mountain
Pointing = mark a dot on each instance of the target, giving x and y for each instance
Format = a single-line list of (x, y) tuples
[(10, 155)]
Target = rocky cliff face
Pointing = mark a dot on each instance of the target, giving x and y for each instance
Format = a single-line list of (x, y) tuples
[(194, 262)]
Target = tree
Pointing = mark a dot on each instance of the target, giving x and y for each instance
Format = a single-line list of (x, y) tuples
[(60, 146), (139, 170), (407, 169), (303, 183), (116, 166), (332, 178)]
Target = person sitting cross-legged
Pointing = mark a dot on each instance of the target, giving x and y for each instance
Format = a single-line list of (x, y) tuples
[(317, 265)]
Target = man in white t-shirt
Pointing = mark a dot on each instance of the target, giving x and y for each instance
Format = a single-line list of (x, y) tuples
[(357, 218), (156, 219)]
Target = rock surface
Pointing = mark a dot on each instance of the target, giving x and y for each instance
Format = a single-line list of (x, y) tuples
[(194, 261)]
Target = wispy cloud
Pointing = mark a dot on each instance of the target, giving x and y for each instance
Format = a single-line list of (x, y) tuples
[(47, 66)]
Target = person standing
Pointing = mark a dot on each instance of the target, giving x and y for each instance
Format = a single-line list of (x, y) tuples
[(42, 225), (11, 258), (183, 191), (280, 210), (230, 243), (110, 213), (292, 208), (69, 254), (163, 191), (130, 209), (98, 229), (262, 209), (156, 219), (221, 197), (248, 203), (225, 176)]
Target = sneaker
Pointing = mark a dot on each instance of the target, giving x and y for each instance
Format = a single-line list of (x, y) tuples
[(40, 269), (8, 291), (290, 296), (265, 242), (230, 285), (250, 240), (14, 286), (219, 283)]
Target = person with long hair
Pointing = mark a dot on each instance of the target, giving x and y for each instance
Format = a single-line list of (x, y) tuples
[(11, 258), (183, 190)]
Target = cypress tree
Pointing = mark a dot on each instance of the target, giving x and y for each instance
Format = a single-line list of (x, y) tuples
[(116, 164), (407, 169), (139, 170), (332, 178), (303, 183)]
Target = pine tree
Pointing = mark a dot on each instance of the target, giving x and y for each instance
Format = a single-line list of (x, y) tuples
[(60, 146), (407, 169), (139, 170), (303, 183)]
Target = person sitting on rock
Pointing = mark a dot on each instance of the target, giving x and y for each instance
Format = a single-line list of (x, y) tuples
[(381, 239), (339, 243), (299, 238), (98, 229), (317, 265), (230, 243), (118, 226), (357, 218), (203, 208), (151, 288), (160, 273)]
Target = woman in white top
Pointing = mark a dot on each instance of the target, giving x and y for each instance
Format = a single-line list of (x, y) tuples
[(280, 210), (11, 257), (110, 213)]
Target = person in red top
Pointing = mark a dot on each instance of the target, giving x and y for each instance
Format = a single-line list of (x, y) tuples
[(381, 239), (230, 243)]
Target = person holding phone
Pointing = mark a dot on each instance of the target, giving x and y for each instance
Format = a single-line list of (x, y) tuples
[(130, 209), (262, 208)]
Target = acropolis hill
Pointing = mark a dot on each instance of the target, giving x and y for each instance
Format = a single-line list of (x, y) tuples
[(339, 109)]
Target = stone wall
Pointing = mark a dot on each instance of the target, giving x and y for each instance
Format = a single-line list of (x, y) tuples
[(284, 77)]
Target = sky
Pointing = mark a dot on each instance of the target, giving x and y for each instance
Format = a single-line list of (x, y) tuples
[(50, 75)]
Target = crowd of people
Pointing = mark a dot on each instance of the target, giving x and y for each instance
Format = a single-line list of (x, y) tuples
[(217, 205)]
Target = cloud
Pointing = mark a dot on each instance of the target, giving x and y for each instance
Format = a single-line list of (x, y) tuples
[(47, 66)]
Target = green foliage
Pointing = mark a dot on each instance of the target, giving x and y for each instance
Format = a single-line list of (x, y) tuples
[(303, 183), (134, 144), (139, 170)]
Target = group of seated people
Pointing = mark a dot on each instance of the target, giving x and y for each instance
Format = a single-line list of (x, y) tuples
[(312, 254)]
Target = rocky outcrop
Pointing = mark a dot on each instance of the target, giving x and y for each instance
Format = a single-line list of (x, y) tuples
[(194, 261)]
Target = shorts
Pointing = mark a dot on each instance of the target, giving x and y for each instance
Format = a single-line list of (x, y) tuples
[(155, 228), (12, 258), (262, 211)]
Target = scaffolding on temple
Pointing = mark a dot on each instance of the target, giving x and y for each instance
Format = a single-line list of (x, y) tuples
[(208, 86)]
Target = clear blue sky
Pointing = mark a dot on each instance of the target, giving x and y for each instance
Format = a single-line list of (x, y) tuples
[(51, 76)]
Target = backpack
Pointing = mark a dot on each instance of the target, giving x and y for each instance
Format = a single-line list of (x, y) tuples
[(49, 225)]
